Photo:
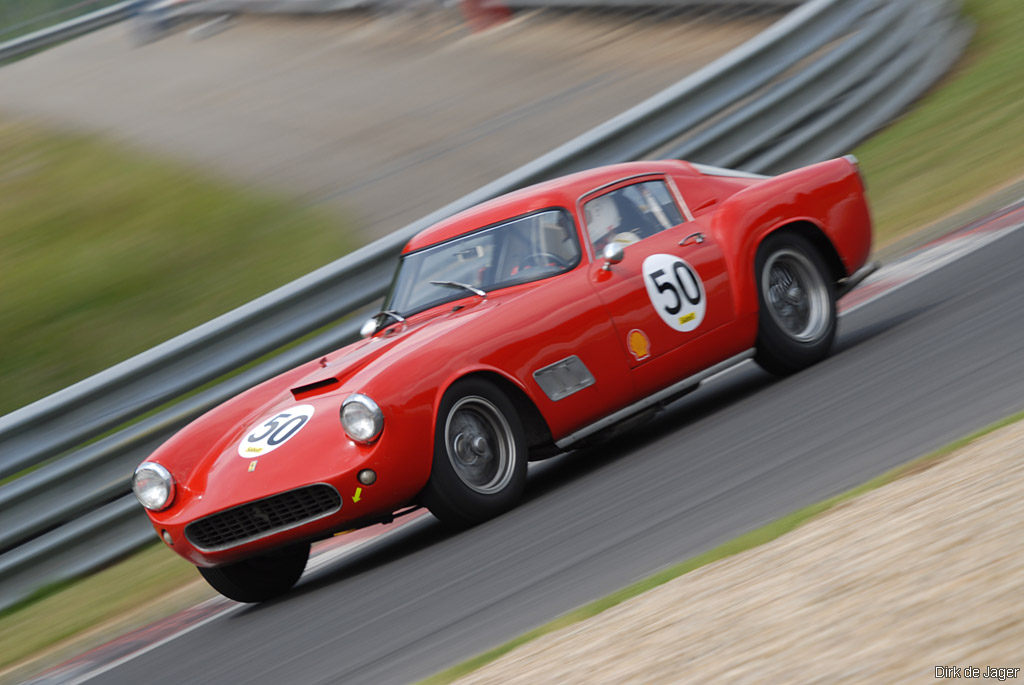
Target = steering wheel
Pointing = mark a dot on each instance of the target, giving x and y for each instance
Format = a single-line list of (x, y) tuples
[(543, 259)]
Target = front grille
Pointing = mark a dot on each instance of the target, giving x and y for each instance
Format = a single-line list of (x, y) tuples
[(263, 517)]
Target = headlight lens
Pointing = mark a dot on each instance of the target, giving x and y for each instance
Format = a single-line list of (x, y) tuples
[(153, 486), (361, 418)]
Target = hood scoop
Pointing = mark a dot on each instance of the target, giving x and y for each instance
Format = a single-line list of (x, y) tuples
[(320, 387)]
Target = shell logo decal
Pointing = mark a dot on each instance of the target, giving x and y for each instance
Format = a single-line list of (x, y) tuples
[(639, 345)]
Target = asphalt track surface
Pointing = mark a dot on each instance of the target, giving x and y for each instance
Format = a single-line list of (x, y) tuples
[(922, 365)]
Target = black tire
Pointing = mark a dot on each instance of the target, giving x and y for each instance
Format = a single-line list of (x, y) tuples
[(480, 454), (259, 578), (797, 304)]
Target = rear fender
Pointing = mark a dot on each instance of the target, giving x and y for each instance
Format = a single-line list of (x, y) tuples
[(824, 201)]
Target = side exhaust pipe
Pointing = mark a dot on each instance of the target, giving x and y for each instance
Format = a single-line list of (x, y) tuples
[(856, 278)]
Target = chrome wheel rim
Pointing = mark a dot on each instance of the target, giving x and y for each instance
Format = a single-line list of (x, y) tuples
[(479, 443), (796, 295)]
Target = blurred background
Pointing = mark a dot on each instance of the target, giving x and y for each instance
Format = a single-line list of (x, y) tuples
[(165, 163), (331, 129)]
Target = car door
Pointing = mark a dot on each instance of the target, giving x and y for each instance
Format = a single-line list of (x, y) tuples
[(671, 288)]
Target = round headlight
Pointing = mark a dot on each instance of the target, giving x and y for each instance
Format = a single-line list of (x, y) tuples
[(361, 418), (153, 486)]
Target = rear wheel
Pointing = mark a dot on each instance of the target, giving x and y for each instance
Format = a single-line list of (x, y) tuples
[(479, 464), (259, 578), (797, 316)]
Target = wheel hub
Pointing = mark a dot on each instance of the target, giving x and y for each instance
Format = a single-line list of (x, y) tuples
[(480, 445), (471, 448), (797, 295)]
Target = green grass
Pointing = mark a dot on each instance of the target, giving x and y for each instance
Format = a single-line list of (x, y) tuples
[(19, 17), (754, 538), (59, 613), (963, 140), (108, 253)]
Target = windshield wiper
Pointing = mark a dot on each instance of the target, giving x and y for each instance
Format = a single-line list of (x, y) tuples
[(461, 286)]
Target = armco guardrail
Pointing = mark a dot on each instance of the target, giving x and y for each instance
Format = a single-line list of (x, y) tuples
[(807, 88), (67, 30)]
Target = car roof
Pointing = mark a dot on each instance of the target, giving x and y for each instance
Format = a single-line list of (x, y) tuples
[(559, 192)]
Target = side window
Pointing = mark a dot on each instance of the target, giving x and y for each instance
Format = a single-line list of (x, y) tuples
[(630, 214)]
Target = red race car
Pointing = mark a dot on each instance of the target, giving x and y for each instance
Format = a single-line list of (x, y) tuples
[(513, 331)]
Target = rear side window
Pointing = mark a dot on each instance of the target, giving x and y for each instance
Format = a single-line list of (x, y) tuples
[(630, 214)]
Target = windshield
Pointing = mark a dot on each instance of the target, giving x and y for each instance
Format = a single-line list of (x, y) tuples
[(518, 251)]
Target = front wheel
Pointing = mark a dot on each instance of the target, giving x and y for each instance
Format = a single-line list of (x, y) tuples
[(259, 578), (479, 463), (797, 304)]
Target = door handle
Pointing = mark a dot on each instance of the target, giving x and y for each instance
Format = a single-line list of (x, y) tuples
[(697, 237)]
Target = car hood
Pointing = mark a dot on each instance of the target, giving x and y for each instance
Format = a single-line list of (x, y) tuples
[(337, 370), (205, 456)]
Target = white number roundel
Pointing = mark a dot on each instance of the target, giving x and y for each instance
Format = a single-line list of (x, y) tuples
[(273, 431), (675, 290)]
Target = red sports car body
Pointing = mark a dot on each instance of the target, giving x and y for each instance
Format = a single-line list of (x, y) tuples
[(513, 330)]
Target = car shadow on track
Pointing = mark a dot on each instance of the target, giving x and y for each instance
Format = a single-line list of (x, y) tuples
[(741, 383), (561, 471), (401, 543), (853, 332)]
